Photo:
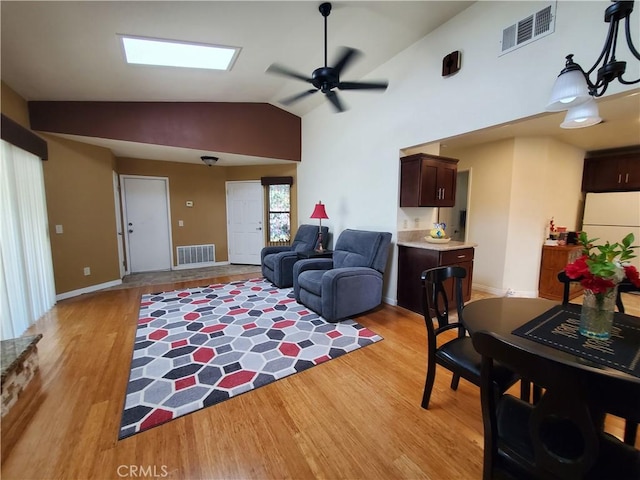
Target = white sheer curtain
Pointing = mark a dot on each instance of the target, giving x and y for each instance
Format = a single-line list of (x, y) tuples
[(27, 289)]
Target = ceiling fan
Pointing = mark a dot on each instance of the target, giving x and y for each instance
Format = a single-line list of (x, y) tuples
[(327, 79)]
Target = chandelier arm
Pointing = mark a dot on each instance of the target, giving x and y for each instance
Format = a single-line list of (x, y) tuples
[(605, 49), (627, 29)]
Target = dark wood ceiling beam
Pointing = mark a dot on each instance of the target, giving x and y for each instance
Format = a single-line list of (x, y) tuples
[(256, 129)]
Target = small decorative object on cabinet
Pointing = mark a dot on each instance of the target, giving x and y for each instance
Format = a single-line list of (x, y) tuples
[(413, 261), (615, 170), (554, 259), (428, 181)]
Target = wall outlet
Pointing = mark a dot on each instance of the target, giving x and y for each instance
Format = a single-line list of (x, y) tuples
[(416, 222), (87, 271), (59, 229), (405, 224), (180, 223), (510, 292)]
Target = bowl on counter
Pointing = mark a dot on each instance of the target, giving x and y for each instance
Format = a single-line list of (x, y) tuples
[(438, 240)]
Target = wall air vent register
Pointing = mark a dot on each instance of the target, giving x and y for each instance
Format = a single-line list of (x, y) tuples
[(529, 29)]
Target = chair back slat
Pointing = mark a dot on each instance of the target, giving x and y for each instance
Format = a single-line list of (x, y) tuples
[(561, 436)]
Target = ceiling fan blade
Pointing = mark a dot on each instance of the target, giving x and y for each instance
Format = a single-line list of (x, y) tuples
[(335, 101), (295, 98), (287, 72), (348, 55), (363, 85)]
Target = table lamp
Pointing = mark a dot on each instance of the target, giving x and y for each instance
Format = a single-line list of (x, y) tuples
[(319, 212)]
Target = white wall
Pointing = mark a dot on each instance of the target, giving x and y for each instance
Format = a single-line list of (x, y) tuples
[(350, 160)]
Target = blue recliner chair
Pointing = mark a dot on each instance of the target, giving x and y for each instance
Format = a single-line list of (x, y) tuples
[(350, 282), (277, 262)]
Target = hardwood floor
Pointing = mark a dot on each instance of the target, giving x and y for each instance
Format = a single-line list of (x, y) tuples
[(355, 417)]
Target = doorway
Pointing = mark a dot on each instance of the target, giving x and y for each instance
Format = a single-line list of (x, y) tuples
[(456, 217), (147, 223), (119, 232), (245, 213)]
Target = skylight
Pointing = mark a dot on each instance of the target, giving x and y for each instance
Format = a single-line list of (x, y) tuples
[(168, 53)]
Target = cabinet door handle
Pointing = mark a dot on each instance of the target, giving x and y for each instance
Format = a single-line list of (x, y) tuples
[(619, 178), (461, 256), (626, 178)]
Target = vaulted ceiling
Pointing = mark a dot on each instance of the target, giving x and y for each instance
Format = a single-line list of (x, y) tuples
[(70, 51)]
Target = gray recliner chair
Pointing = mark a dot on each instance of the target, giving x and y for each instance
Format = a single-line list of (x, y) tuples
[(350, 282), (277, 262)]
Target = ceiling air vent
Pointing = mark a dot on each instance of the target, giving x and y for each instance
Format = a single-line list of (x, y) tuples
[(529, 29)]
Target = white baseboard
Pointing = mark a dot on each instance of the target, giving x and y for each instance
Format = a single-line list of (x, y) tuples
[(505, 292), (92, 288)]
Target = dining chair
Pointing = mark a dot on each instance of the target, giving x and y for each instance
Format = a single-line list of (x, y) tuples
[(455, 354), (562, 435), (631, 428)]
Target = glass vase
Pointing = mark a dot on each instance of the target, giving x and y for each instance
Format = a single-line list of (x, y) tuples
[(596, 316)]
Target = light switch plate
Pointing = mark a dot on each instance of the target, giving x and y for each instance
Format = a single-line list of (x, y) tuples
[(59, 229)]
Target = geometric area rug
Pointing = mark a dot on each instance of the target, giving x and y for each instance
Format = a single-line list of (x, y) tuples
[(197, 347)]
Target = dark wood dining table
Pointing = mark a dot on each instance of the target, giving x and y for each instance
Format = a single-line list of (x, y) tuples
[(502, 315)]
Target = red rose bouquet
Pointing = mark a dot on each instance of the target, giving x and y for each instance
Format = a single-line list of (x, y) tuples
[(602, 267)]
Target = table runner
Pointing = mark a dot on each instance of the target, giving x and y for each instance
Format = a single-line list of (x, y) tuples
[(558, 328)]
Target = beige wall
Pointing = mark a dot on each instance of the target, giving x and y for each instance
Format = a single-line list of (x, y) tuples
[(490, 178), (80, 197), (79, 192), (516, 186), (79, 187), (14, 106), (206, 221)]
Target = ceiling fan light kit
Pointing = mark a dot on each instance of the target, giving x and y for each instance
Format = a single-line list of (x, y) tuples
[(327, 79), (574, 90)]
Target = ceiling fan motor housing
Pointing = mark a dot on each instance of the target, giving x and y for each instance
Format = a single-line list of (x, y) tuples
[(324, 78)]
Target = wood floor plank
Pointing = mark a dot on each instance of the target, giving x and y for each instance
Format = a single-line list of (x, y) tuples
[(356, 417)]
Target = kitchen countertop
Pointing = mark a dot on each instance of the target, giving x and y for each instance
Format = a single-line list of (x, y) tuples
[(452, 245)]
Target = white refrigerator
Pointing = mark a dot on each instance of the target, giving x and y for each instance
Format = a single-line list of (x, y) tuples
[(611, 216)]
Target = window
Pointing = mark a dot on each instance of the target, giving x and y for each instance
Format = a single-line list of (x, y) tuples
[(279, 213)]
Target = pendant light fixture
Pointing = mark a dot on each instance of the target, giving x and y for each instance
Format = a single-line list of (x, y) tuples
[(574, 87)]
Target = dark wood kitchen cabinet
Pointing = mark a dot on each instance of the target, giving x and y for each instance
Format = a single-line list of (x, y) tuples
[(411, 263), (615, 170), (428, 181)]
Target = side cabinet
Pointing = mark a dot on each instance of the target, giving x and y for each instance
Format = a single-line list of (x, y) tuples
[(554, 259), (428, 181), (413, 261), (615, 170)]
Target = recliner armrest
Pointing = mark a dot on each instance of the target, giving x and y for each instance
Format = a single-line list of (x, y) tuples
[(309, 264), (271, 250)]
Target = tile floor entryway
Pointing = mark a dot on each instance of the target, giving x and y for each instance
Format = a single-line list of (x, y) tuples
[(171, 276)]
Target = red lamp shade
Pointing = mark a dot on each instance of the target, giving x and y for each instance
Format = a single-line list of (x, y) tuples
[(319, 211)]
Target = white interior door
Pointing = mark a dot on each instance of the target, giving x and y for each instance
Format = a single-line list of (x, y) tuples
[(245, 212), (147, 223)]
